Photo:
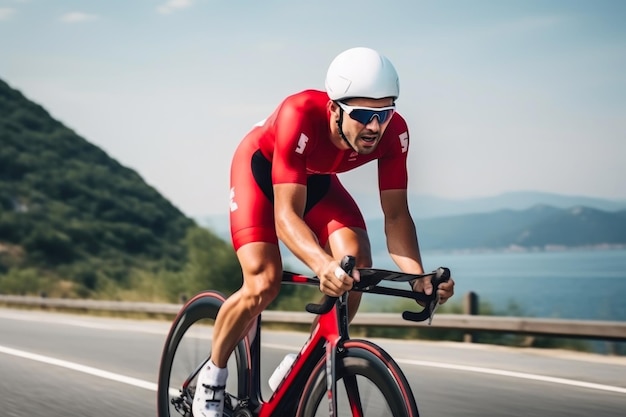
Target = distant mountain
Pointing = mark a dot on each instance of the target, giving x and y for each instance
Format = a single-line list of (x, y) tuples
[(539, 227), (428, 206)]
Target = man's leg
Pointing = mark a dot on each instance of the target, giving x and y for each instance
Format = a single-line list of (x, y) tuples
[(262, 272)]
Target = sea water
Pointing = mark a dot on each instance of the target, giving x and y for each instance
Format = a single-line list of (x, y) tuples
[(574, 284)]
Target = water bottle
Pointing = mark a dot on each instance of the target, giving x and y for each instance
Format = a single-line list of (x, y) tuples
[(281, 370)]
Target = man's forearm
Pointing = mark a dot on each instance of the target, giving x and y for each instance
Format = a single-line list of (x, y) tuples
[(403, 245), (301, 241)]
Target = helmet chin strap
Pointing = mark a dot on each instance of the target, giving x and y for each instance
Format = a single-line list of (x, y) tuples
[(343, 136)]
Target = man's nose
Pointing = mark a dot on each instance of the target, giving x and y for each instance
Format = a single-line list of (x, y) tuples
[(373, 124)]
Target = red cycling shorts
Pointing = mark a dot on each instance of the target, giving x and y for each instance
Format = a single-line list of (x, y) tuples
[(329, 207)]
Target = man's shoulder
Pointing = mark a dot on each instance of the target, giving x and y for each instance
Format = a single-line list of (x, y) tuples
[(397, 125), (307, 106), (306, 99)]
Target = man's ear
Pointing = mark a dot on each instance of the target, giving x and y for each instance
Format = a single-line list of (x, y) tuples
[(333, 107)]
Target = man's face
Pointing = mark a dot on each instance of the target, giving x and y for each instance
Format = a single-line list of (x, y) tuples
[(362, 127)]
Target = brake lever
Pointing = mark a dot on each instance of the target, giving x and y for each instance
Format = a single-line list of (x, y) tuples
[(432, 307), (442, 274)]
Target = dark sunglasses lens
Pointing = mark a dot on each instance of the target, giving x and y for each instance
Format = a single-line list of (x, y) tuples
[(384, 115), (365, 116)]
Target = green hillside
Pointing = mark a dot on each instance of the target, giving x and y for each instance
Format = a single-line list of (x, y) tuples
[(74, 222)]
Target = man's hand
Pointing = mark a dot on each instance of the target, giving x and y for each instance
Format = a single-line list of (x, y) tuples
[(445, 291), (334, 281)]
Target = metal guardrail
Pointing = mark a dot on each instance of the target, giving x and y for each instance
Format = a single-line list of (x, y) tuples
[(586, 329)]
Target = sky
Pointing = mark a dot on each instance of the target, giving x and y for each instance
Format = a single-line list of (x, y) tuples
[(499, 95)]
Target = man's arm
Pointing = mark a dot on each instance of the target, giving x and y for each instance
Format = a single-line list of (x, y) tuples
[(400, 231), (289, 203), (403, 244)]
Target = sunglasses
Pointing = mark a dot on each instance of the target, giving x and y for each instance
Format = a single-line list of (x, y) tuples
[(365, 115)]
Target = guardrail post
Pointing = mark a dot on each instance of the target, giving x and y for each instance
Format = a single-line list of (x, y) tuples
[(470, 306)]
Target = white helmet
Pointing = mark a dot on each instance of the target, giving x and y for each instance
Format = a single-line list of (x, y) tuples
[(361, 72)]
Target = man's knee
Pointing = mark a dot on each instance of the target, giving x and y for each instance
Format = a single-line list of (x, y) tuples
[(260, 290), (262, 273)]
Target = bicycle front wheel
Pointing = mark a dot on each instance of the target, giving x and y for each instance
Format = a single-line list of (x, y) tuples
[(369, 384), (187, 348)]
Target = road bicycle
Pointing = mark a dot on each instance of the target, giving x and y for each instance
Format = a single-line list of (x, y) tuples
[(332, 375)]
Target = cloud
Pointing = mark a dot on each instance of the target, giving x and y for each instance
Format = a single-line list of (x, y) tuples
[(76, 17), (6, 13), (172, 5)]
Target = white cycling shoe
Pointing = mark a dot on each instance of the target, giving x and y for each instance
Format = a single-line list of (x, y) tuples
[(208, 401)]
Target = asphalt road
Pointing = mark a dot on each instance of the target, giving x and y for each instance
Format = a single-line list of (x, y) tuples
[(55, 364)]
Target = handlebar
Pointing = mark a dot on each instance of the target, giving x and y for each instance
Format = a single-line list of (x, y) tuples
[(371, 277)]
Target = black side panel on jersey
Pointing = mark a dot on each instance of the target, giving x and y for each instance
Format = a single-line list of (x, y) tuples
[(316, 185)]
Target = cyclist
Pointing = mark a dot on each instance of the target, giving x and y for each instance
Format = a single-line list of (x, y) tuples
[(284, 185)]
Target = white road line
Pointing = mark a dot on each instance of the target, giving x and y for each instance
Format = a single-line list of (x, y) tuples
[(80, 368), (513, 374)]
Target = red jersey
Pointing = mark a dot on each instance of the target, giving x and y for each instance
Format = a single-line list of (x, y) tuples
[(296, 139), (293, 145)]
